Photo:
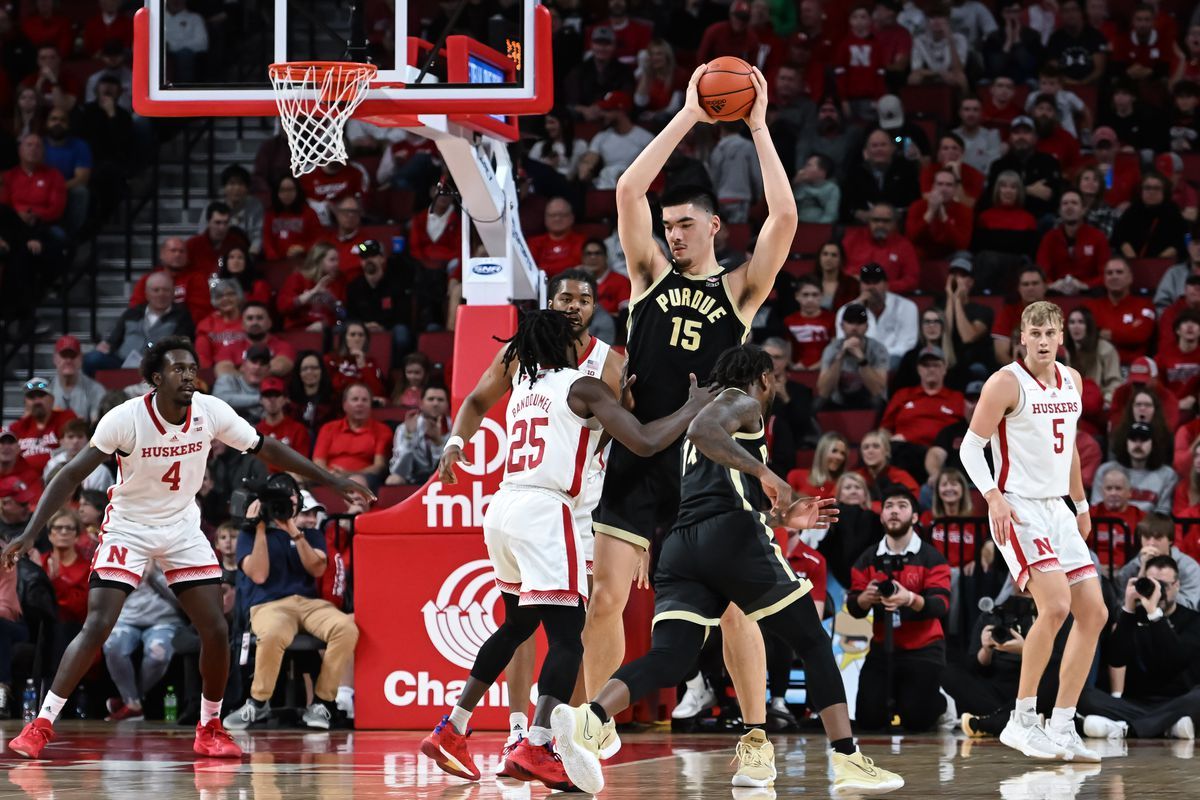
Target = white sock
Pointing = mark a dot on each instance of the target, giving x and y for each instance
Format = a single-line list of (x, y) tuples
[(518, 722), (1027, 706), (52, 706), (1062, 719), (459, 717), (345, 695), (540, 736), (209, 710)]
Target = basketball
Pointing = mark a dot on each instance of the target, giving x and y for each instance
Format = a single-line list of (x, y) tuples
[(726, 88)]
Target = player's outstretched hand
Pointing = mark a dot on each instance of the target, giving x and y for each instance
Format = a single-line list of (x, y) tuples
[(627, 382), (452, 456), (1002, 518), (700, 395), (14, 550), (809, 513), (352, 491), (757, 118), (778, 492), (691, 104)]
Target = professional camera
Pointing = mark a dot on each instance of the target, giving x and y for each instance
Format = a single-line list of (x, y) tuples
[(277, 496), (1145, 587), (892, 564), (1004, 621)]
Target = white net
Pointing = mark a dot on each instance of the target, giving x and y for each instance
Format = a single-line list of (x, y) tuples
[(316, 99)]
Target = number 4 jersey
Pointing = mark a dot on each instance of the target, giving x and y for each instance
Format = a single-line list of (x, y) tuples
[(1034, 443), (160, 466), (549, 445)]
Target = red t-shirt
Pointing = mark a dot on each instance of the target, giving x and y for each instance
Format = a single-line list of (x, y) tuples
[(1102, 532), (434, 253), (321, 308), (809, 335), (70, 588), (203, 255), (895, 254), (1131, 322), (191, 290), (97, 33), (38, 443), (613, 292), (55, 30), (1063, 146), (1082, 258), (555, 255), (951, 539), (236, 351), (339, 445), (973, 181), (1156, 52), (344, 371), (286, 230), (289, 432), (720, 39), (1178, 371), (1008, 321), (919, 416), (42, 192), (213, 333), (941, 237), (858, 66), (350, 180), (1184, 437), (806, 562), (1000, 118)]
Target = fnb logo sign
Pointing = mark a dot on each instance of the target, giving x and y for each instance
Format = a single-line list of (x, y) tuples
[(486, 453)]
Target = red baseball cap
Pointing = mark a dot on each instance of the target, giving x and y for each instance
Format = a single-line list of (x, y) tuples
[(17, 489), (616, 101), (1143, 370), (67, 344), (7, 432), (272, 385)]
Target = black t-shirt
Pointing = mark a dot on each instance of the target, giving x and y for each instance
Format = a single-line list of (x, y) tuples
[(981, 350), (1076, 55)]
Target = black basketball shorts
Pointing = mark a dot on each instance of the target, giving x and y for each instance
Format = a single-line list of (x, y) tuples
[(640, 494)]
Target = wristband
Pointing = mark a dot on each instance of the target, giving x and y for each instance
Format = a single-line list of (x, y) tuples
[(1081, 506), (454, 441), (1155, 615)]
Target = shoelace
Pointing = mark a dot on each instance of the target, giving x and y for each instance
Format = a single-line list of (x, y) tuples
[(446, 721), (748, 755), (218, 731), (43, 733)]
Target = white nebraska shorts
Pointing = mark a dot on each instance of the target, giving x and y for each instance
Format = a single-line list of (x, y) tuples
[(593, 487), (1047, 539), (534, 546), (183, 553)]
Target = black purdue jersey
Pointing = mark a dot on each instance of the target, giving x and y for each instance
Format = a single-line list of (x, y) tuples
[(709, 488), (680, 325)]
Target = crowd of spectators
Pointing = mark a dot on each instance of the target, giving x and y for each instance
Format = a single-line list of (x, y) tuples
[(952, 163)]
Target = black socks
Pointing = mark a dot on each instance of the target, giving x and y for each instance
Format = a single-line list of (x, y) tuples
[(599, 711), (844, 746)]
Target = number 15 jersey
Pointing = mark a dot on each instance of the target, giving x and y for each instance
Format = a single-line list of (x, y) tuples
[(1034, 443), (549, 445)]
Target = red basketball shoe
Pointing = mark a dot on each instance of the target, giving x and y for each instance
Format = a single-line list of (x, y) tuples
[(538, 763), (503, 770), (214, 741), (448, 748), (33, 738)]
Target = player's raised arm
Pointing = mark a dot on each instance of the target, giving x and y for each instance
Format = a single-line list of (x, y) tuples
[(754, 283), (635, 227), (1000, 395), (492, 385), (711, 432), (56, 496), (594, 397)]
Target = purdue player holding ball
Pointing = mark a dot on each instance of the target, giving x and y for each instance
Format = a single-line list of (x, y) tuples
[(684, 312), (1028, 411)]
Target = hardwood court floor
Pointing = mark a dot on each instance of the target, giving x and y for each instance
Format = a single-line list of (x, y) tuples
[(95, 761)]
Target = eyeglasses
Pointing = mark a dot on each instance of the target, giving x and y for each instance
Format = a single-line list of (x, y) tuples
[(63, 528), (593, 252), (933, 321)]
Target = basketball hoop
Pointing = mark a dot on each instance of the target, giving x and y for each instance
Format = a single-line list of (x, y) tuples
[(316, 99)]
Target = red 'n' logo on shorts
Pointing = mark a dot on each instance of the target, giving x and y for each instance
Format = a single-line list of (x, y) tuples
[(116, 555), (1042, 545)]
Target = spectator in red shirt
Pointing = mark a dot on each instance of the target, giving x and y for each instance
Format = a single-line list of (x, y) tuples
[(191, 286), (1006, 230), (238, 265), (1144, 52), (1182, 193), (68, 571), (1073, 253), (12, 463), (876, 468), (55, 88), (224, 325), (352, 363), (560, 247), (106, 25), (858, 67), (950, 152), (894, 39), (828, 464), (612, 288), (1189, 300), (1053, 139), (1126, 320), (206, 249), (1178, 358), (951, 498), (1001, 107), (354, 444), (880, 243), (276, 424), (811, 327), (256, 329), (434, 236), (310, 296), (37, 192), (38, 429), (1031, 287), (916, 414), (46, 28), (1108, 541), (1121, 170), (632, 35), (938, 224), (290, 226), (332, 182), (730, 38)]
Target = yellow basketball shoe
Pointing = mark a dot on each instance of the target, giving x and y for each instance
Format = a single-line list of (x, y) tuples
[(858, 774), (756, 760)]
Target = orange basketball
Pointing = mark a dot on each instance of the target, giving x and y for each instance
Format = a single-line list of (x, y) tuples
[(726, 89)]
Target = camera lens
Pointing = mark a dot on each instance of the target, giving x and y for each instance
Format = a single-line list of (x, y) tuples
[(1145, 587), (887, 588)]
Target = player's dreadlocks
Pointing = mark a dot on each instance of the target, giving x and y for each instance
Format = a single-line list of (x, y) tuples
[(543, 341), (739, 367)]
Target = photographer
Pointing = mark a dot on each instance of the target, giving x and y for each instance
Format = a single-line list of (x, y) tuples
[(1158, 642), (907, 583), (283, 564), (1157, 537)]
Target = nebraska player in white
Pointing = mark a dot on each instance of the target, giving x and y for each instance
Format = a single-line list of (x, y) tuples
[(555, 416), (161, 442), (1028, 411), (573, 293)]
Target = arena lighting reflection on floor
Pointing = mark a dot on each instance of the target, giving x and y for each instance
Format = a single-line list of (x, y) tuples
[(95, 761)]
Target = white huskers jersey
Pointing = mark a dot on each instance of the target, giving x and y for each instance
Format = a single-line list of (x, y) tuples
[(591, 363), (1034, 444), (160, 466), (549, 445)]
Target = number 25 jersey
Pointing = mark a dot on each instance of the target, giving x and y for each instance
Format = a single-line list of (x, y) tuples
[(680, 325), (1034, 443), (549, 445)]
